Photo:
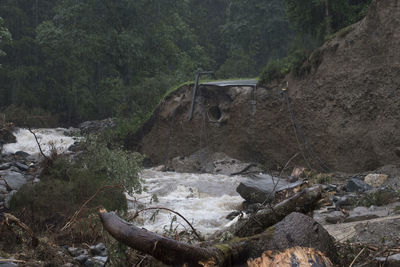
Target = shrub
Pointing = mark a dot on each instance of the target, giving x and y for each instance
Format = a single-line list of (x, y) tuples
[(66, 185)]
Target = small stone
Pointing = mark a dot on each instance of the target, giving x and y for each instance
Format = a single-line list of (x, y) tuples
[(77, 251), (335, 217), (82, 258), (100, 260), (99, 250), (356, 185), (89, 263), (375, 180)]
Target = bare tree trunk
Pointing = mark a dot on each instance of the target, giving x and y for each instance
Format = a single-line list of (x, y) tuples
[(295, 229)]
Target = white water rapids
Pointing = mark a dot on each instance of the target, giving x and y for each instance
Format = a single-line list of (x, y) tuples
[(203, 199), (48, 139)]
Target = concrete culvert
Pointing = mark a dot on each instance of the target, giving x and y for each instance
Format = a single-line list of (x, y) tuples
[(214, 113)]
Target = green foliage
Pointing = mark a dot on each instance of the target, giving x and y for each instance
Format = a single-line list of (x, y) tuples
[(65, 185), (4, 36), (35, 117), (59, 194), (119, 166)]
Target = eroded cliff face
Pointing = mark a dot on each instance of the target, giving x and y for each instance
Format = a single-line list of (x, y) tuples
[(346, 104)]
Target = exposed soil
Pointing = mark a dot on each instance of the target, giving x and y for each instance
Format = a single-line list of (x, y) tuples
[(346, 104)]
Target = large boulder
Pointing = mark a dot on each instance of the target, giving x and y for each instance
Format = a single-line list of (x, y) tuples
[(207, 161), (6, 136), (13, 180), (89, 127)]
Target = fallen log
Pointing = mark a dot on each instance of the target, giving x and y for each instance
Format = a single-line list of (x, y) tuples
[(303, 201), (294, 230)]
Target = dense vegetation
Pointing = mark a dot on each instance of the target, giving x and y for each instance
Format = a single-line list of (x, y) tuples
[(77, 60)]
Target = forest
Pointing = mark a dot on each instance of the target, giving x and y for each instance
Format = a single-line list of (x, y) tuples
[(71, 61)]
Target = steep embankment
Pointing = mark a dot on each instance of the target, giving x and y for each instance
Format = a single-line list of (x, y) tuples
[(346, 103)]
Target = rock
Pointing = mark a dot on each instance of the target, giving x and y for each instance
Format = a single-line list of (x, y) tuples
[(3, 189), (8, 198), (391, 261), (21, 166), (361, 214), (5, 166), (335, 217), (99, 250), (100, 260), (81, 258), (14, 180), (7, 264), (6, 136), (159, 168), (356, 185), (297, 173), (344, 201), (379, 197), (232, 215), (208, 161), (375, 180), (77, 251), (89, 263), (88, 127), (377, 232), (257, 190), (21, 154)]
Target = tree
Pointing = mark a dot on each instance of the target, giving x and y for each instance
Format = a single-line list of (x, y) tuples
[(4, 35)]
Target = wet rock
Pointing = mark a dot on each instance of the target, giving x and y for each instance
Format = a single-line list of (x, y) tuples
[(77, 251), (391, 261), (99, 250), (260, 188), (8, 198), (356, 185), (375, 180), (21, 154), (21, 166), (100, 260), (7, 264), (88, 127), (14, 180), (89, 263), (82, 258), (232, 215), (5, 166), (6, 136)]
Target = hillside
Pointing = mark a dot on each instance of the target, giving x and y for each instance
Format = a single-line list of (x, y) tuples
[(345, 103)]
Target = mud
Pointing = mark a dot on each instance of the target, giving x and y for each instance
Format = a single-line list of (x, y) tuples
[(346, 106)]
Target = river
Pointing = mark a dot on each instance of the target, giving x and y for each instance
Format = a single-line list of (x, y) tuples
[(203, 199)]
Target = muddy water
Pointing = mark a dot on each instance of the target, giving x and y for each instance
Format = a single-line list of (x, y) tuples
[(203, 199)]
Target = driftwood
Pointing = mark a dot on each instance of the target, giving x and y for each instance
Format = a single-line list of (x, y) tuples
[(302, 201), (295, 230)]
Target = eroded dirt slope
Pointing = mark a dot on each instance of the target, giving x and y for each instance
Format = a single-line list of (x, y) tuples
[(346, 103)]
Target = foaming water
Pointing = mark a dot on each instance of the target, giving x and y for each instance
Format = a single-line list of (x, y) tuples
[(203, 199), (48, 138)]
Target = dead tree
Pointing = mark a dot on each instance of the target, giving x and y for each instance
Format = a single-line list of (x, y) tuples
[(295, 230)]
